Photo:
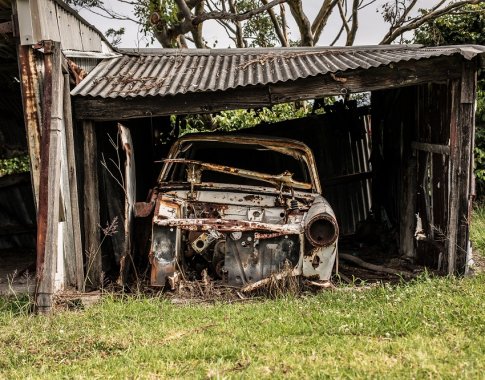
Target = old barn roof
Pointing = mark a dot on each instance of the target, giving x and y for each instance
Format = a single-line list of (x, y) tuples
[(172, 71)]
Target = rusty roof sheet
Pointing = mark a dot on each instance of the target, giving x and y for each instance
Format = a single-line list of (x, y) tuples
[(171, 71)]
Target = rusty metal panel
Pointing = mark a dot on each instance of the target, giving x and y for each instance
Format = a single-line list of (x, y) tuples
[(172, 71)]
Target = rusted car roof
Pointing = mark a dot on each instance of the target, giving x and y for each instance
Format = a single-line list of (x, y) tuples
[(171, 71)]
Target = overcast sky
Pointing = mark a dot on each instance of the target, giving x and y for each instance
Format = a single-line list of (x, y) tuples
[(371, 26)]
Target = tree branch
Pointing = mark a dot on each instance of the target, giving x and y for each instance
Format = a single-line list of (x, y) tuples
[(302, 22), (355, 24), (238, 32), (235, 17), (345, 22), (279, 32), (322, 17)]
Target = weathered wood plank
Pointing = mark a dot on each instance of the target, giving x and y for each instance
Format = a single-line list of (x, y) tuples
[(49, 190), (91, 208), (31, 106), (67, 261), (77, 252), (466, 127), (408, 209), (431, 148), (453, 178), (130, 198), (352, 81)]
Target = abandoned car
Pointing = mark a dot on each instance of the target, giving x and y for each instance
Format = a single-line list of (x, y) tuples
[(240, 208)]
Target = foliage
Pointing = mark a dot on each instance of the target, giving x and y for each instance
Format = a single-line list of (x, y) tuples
[(258, 30), (464, 27), (430, 328), (241, 119), (115, 35), (266, 22), (20, 164)]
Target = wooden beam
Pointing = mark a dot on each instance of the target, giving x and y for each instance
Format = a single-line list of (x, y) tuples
[(431, 148), (352, 81), (91, 207), (76, 253), (49, 189)]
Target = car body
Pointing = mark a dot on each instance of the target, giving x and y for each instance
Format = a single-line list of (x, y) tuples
[(241, 208)]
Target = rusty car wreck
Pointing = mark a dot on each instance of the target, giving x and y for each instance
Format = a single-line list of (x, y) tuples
[(241, 208)]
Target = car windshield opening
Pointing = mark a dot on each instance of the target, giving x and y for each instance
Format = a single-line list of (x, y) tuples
[(252, 157)]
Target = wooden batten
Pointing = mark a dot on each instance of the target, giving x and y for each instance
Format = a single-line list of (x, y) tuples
[(91, 207)]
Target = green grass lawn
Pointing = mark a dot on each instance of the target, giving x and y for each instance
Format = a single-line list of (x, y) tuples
[(428, 328)]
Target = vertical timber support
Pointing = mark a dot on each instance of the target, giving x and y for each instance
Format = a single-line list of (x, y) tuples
[(31, 105), (91, 207), (75, 256), (408, 209), (49, 189), (461, 137), (130, 197)]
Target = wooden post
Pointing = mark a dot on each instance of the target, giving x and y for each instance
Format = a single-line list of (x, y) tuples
[(466, 127), (75, 256), (462, 129), (91, 207), (48, 206)]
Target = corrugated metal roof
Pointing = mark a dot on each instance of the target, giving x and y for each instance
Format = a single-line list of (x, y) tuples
[(171, 71)]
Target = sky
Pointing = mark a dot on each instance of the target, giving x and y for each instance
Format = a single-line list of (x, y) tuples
[(371, 25)]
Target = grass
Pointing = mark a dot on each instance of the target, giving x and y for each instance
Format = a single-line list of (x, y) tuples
[(429, 328), (477, 233)]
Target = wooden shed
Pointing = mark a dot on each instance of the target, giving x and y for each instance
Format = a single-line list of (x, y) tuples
[(406, 157)]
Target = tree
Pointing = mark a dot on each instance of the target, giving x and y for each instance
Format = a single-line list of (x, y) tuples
[(466, 26), (264, 22)]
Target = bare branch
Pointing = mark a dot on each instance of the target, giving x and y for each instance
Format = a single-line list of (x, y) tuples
[(355, 24), (284, 23), (322, 17), (345, 22), (337, 36)]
